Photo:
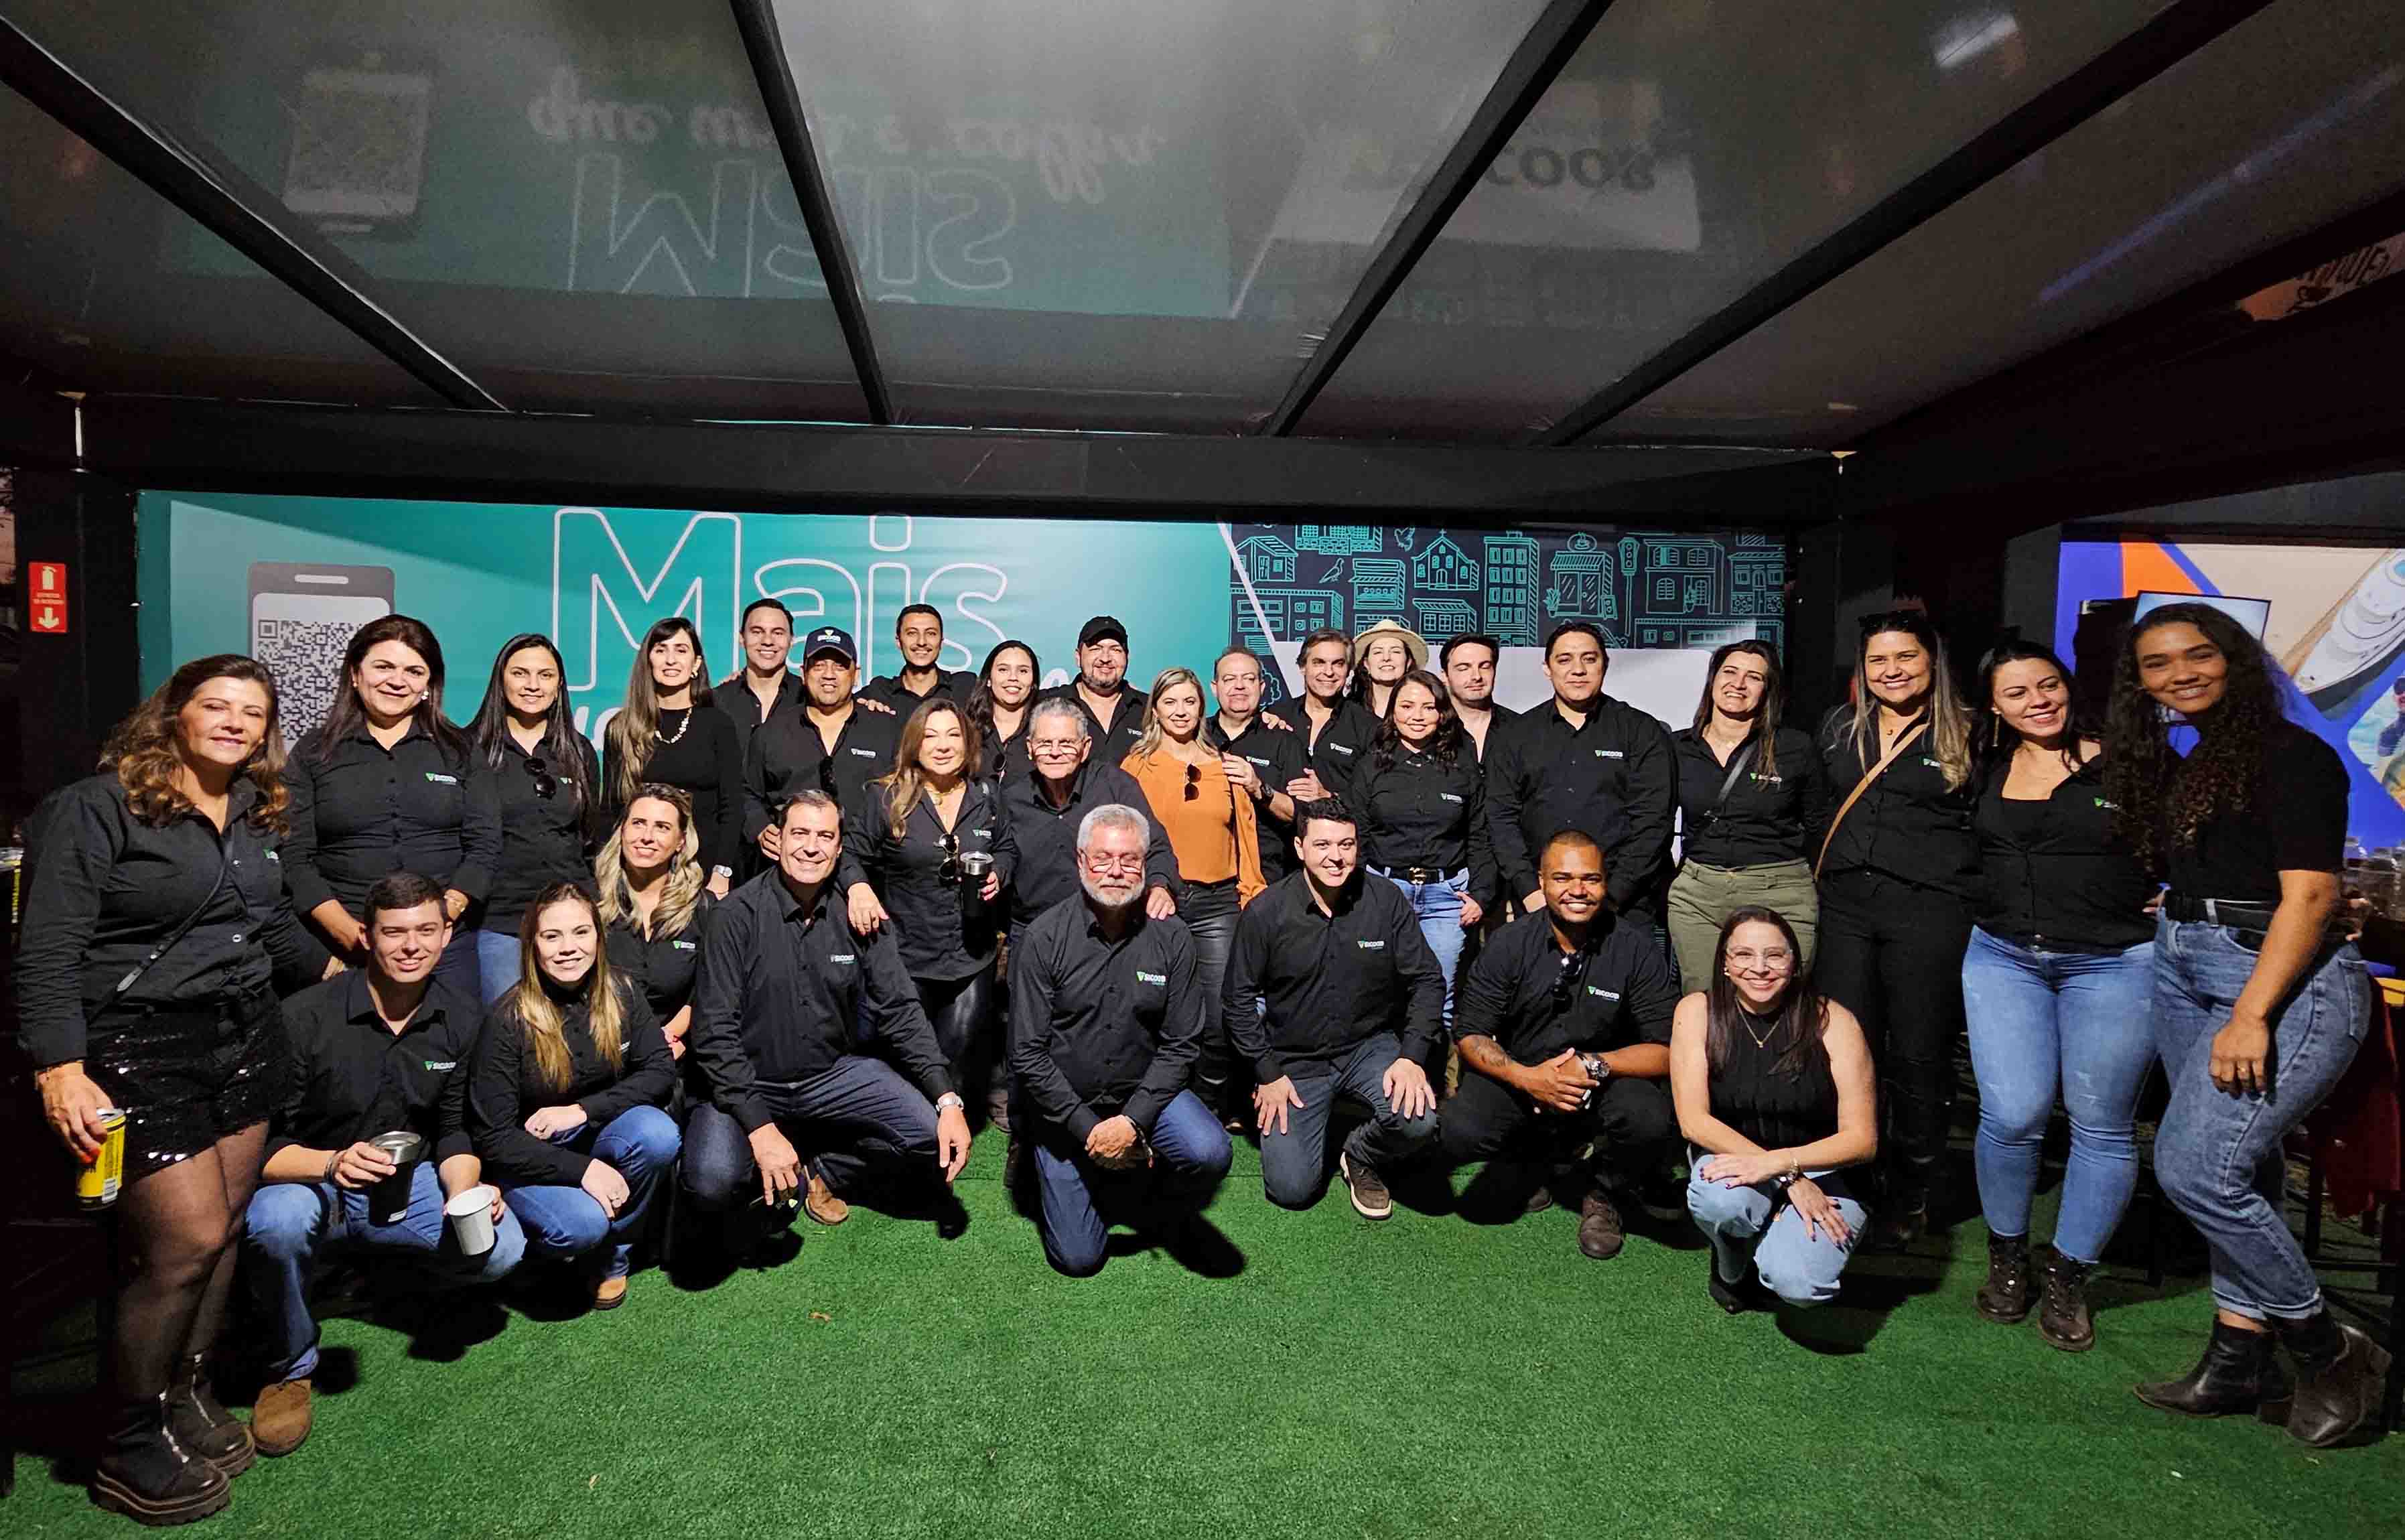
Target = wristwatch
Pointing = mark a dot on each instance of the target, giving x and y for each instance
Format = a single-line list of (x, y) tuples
[(721, 871), (951, 1101)]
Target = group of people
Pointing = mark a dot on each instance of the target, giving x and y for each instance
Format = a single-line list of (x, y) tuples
[(467, 998)]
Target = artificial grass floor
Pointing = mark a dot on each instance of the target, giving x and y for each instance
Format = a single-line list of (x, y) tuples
[(1423, 1377)]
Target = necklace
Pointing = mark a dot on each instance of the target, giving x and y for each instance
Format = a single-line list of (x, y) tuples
[(1761, 1039), (678, 735)]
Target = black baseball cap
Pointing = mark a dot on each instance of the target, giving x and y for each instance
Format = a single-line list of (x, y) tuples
[(1103, 628), (827, 638)]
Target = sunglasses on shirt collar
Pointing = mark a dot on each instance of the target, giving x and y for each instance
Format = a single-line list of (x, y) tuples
[(1566, 981), (547, 785), (951, 870)]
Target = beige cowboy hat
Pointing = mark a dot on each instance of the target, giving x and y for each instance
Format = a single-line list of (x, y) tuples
[(1414, 643)]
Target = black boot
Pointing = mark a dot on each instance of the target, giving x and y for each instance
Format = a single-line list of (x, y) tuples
[(200, 1423), (147, 1476), (2005, 1297), (2339, 1373), (2065, 1320), (2238, 1373)]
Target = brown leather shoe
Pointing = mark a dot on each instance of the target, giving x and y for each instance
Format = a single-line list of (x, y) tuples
[(820, 1202), (279, 1420), (1600, 1232), (609, 1293)]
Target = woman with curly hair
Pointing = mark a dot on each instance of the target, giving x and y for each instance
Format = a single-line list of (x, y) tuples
[(2259, 1004), (156, 930)]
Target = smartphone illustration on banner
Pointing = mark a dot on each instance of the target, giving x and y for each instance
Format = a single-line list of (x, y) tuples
[(301, 617)]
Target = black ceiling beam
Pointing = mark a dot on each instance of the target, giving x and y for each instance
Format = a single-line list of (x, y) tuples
[(228, 204), (188, 445), (2172, 35), (782, 96), (1549, 46), (36, 424)]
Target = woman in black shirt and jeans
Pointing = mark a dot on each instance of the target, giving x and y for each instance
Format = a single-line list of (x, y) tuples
[(545, 775), (2260, 1002), (1898, 869), (1423, 806), (669, 731)]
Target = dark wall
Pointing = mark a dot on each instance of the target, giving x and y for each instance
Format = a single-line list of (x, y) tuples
[(73, 688)]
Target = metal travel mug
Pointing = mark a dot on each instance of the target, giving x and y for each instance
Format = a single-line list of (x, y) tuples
[(388, 1199), (976, 866)]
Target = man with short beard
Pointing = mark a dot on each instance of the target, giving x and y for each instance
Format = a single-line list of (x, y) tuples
[(1105, 1027), (833, 743), (1469, 663), (1114, 707), (919, 635)]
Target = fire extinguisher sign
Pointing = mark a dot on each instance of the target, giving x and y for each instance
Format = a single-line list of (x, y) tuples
[(46, 597)]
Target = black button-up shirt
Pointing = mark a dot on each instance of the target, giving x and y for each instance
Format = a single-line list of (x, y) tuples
[(732, 695), (2294, 821), (352, 1077), (1331, 982), (1614, 777), (506, 1087), (1499, 717), (1616, 994), (367, 812), (947, 932), (890, 690), (543, 838), (1113, 744), (786, 991), (1771, 814), (2053, 873), (665, 964), (1343, 745), (1418, 810), (1909, 824), (1277, 756), (787, 755), (104, 890), (1098, 1026), (1045, 838)]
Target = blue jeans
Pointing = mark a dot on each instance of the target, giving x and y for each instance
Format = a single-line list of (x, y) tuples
[(2039, 1019), (1294, 1164), (1189, 1154), (1755, 1226), (2216, 1154), (567, 1222), (497, 962), (289, 1223), (857, 1118), (1438, 904)]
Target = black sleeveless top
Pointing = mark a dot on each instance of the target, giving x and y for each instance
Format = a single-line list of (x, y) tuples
[(1776, 1111)]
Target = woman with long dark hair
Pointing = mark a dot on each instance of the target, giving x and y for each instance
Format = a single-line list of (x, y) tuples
[(1006, 687), (546, 777), (2260, 1000), (1751, 790), (1382, 654), (934, 821), (1776, 1097), (567, 1092), (1423, 808), (1898, 867), (387, 784), (656, 904), (669, 731), (2056, 985), (155, 931)]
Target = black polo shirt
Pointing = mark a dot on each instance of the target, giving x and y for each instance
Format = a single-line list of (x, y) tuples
[(2294, 821), (732, 695), (1501, 714), (1277, 755), (1420, 811), (352, 1078), (1331, 982), (665, 964), (368, 812), (2054, 873), (506, 1087), (104, 890), (787, 753), (889, 690), (1614, 777), (543, 838), (1045, 838), (786, 991), (1098, 1026), (1342, 744), (940, 938), (1772, 812), (1618, 993), (1112, 744), (1909, 824)]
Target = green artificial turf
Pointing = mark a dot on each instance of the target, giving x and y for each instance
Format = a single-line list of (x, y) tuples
[(1423, 1377)]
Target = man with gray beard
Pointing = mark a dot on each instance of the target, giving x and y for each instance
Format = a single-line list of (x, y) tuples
[(1104, 1026)]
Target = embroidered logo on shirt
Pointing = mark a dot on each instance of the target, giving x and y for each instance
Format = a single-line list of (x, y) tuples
[(2108, 806), (840, 956), (1447, 797), (1143, 977), (1931, 763), (1372, 946), (681, 945), (441, 1063), (1602, 994), (1759, 779), (1340, 748), (1610, 755), (865, 754), (440, 780), (276, 858), (982, 834)]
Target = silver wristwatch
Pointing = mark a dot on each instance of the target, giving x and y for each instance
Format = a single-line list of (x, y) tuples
[(951, 1101)]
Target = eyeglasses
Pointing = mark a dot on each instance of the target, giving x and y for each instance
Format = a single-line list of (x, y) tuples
[(1565, 982), (951, 870), (1770, 963), (1098, 863), (547, 785), (1194, 781)]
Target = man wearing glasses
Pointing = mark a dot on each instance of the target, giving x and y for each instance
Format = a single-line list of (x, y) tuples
[(1564, 1027), (1105, 1021), (1262, 755), (1046, 808), (832, 745)]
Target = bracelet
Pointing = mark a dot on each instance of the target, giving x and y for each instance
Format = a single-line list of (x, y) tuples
[(333, 1158)]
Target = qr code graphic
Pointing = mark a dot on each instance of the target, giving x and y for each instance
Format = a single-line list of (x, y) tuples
[(307, 658), (359, 146)]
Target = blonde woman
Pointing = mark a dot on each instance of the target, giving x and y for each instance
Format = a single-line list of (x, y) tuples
[(656, 902), (566, 1091), (669, 731), (1899, 868)]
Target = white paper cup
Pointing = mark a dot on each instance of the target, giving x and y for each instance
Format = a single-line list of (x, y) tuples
[(472, 1220)]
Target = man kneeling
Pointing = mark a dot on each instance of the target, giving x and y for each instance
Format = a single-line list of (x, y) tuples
[(1104, 1026), (807, 1032), (380, 1051)]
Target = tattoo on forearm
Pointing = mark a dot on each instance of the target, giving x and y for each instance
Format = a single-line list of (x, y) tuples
[(1486, 1055)]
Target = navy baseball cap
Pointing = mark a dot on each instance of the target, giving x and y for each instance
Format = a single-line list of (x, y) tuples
[(828, 638)]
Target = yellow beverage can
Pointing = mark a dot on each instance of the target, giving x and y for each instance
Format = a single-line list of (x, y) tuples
[(98, 1184)]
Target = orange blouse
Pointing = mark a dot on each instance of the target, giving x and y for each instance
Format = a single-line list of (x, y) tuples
[(1213, 833)]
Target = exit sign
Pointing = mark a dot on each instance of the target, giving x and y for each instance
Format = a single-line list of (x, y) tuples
[(46, 597)]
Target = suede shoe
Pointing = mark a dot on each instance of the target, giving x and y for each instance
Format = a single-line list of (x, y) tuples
[(820, 1202), (1370, 1198), (279, 1418), (610, 1293), (1600, 1233), (200, 1423)]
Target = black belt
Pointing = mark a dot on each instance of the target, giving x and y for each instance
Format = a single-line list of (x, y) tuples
[(2238, 914), (1419, 874)]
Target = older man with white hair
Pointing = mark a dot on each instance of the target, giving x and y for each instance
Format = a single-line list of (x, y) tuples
[(1104, 1025)]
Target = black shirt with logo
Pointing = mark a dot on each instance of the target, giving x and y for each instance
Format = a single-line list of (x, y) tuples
[(889, 690), (351, 1077), (506, 1085), (1421, 812), (1342, 746), (2053, 873), (947, 932), (1331, 981), (1112, 744), (1101, 1027), (543, 838), (665, 963), (1909, 824), (1615, 992), (732, 695), (1773, 812), (788, 754), (1615, 777), (364, 812), (1045, 838)]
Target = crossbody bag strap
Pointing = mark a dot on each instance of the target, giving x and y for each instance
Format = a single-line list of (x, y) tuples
[(1856, 794), (1728, 782), (134, 973)]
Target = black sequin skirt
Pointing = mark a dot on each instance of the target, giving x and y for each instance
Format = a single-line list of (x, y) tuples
[(186, 1079)]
